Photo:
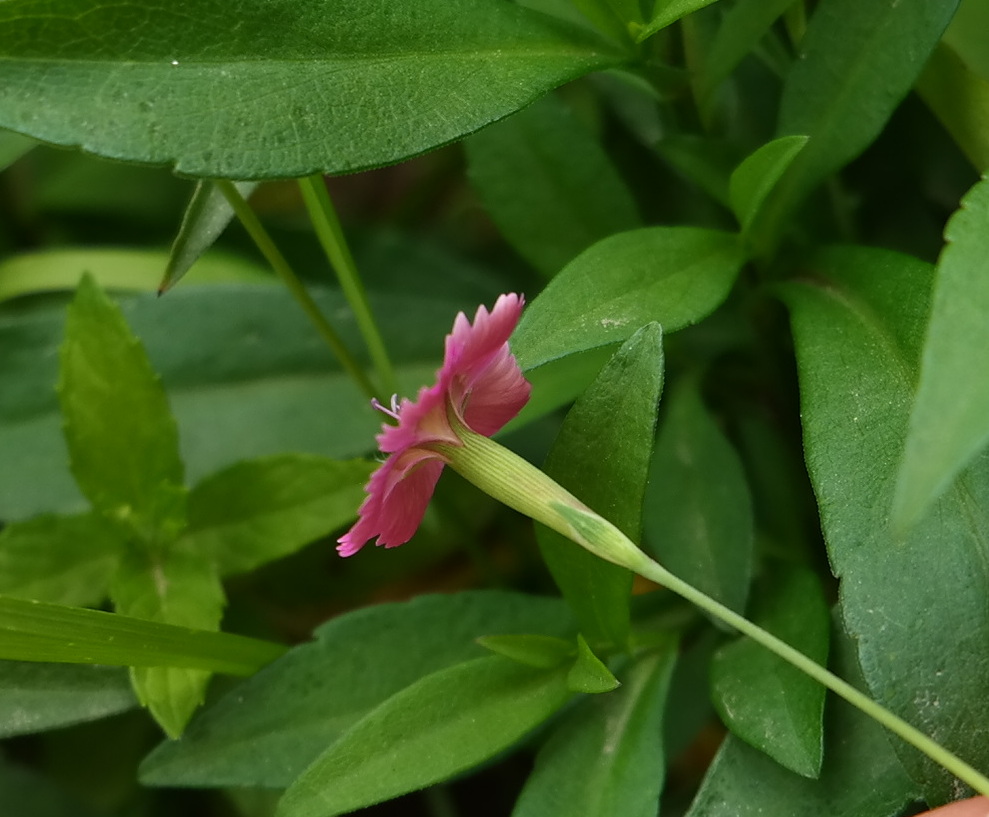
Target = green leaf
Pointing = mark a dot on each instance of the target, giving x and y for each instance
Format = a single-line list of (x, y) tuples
[(443, 724), (949, 423), (35, 631), (174, 586), (858, 323), (120, 432), (589, 673), (754, 179), (206, 217), (602, 454), (12, 147), (572, 194), (762, 699), (272, 726), (26, 793), (704, 161), (959, 98), (857, 61), (540, 651), (59, 559), (698, 512), (259, 510), (666, 13), (965, 35), (138, 270), (606, 757), (860, 775), (671, 275), (35, 697), (286, 92)]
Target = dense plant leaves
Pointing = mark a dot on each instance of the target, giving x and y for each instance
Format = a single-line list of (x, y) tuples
[(858, 326), (274, 725), (602, 454), (121, 435), (698, 512), (440, 725), (861, 775), (35, 697), (667, 12), (177, 585), (59, 559), (259, 510), (206, 217), (36, 631), (572, 195), (949, 423), (606, 757), (764, 700), (858, 60), (754, 179), (672, 275), (290, 90)]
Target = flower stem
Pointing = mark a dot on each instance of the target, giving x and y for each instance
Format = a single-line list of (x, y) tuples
[(285, 272), (324, 219), (520, 485)]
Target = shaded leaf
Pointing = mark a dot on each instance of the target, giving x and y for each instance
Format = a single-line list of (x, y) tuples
[(541, 651), (12, 147), (606, 757), (667, 12), (443, 724), (571, 196), (26, 793), (275, 724), (764, 700), (754, 179), (949, 422), (288, 91), (602, 453), (671, 275)]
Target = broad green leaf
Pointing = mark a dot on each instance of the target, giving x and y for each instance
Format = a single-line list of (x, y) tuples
[(698, 513), (602, 454), (441, 725), (741, 28), (271, 727), (131, 270), (285, 92), (259, 510), (59, 559), (206, 217), (589, 673), (858, 322), (541, 651), (671, 275), (765, 701), (25, 793), (120, 432), (571, 196), (959, 98), (665, 13), (857, 61), (949, 422), (12, 147), (35, 697), (861, 775), (606, 757), (35, 631), (173, 585), (754, 179)]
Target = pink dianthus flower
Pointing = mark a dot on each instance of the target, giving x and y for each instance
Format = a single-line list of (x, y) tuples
[(480, 387)]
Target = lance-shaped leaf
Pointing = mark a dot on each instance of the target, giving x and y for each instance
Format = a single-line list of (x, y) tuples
[(602, 454), (667, 12), (572, 194), (445, 723), (754, 179), (671, 275), (606, 757), (949, 423), (292, 88), (858, 328)]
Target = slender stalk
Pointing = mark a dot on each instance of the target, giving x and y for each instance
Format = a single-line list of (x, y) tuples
[(327, 225), (520, 485), (285, 272)]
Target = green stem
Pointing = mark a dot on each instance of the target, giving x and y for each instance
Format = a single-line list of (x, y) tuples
[(520, 485), (324, 219), (281, 267)]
